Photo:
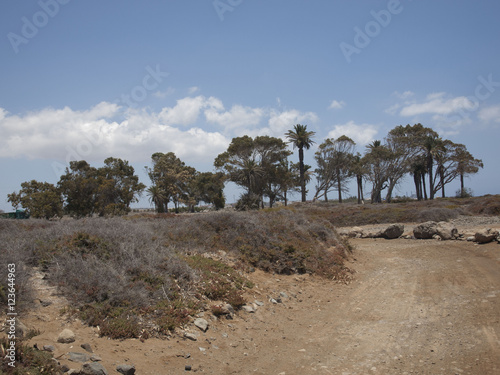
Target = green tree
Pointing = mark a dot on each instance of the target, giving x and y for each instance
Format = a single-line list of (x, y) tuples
[(210, 188), (358, 169), (39, 199), (301, 138), (170, 175), (334, 159), (258, 165), (377, 160), (466, 165), (118, 187), (79, 187)]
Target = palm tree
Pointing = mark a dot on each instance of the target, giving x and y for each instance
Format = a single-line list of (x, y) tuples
[(301, 138), (157, 197)]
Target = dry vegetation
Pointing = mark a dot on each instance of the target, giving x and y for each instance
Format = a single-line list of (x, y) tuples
[(145, 275)]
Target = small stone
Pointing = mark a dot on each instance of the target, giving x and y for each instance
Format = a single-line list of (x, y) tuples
[(95, 358), (45, 303), (190, 336), (248, 309), (126, 369), (201, 324), (259, 303), (86, 347), (93, 368), (202, 349), (187, 368), (66, 336), (283, 295), (272, 300), (49, 348), (78, 357)]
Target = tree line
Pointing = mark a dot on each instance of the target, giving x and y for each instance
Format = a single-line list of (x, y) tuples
[(261, 166)]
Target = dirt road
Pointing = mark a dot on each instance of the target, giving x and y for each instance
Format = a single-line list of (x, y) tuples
[(414, 307)]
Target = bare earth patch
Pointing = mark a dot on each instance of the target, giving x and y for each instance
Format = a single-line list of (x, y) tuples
[(414, 307)]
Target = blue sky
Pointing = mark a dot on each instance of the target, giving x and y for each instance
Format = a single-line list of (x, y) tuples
[(92, 79)]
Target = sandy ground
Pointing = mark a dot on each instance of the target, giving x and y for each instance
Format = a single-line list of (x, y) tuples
[(414, 307)]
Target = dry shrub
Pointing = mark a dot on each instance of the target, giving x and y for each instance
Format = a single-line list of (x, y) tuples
[(487, 205), (124, 272)]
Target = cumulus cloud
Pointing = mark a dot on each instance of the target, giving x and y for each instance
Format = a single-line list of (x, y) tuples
[(362, 134), (487, 114), (93, 135), (438, 104), (335, 104), (185, 112), (280, 122), (238, 116)]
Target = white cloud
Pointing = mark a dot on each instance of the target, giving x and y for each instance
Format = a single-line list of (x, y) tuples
[(335, 104), (185, 112), (237, 117), (362, 134), (193, 90), (490, 114), (437, 104), (403, 96), (65, 134), (280, 122), (163, 94)]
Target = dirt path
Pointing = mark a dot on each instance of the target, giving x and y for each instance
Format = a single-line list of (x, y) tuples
[(415, 307)]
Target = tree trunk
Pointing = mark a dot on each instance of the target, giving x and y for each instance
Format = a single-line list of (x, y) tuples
[(423, 185), (431, 181), (418, 190), (462, 186), (339, 186), (360, 189), (302, 174)]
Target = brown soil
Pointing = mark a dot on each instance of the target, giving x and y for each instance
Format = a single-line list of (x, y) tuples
[(414, 307)]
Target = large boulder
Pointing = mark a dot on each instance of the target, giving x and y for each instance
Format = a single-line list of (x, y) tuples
[(446, 231), (425, 231), (392, 231), (485, 236)]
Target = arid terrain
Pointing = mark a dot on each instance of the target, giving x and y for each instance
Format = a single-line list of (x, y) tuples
[(413, 307)]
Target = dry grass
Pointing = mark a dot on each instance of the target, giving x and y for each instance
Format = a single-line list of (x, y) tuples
[(143, 276)]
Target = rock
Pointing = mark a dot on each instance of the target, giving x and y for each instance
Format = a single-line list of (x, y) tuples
[(49, 348), (248, 309), (259, 303), (201, 324), (187, 368), (284, 295), (65, 368), (355, 232), (392, 231), (78, 357), (370, 234), (86, 347), (425, 231), (66, 336), (95, 358), (272, 300), (485, 236), (45, 303), (228, 309), (190, 336), (470, 238), (126, 369), (446, 231), (93, 368)]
